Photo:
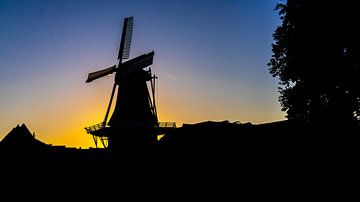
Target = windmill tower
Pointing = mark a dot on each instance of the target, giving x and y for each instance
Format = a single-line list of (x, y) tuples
[(134, 118)]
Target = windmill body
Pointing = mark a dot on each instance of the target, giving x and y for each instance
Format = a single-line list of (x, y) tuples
[(133, 105), (134, 117)]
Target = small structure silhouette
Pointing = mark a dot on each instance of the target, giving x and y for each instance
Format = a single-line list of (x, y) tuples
[(21, 137), (20, 149)]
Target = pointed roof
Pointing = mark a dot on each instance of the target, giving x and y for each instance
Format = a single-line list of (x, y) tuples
[(21, 137)]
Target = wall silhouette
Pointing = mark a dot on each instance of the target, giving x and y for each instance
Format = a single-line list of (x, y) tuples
[(277, 144)]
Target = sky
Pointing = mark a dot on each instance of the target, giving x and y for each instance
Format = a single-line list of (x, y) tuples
[(210, 58)]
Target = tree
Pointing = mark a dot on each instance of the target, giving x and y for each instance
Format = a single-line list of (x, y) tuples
[(316, 56)]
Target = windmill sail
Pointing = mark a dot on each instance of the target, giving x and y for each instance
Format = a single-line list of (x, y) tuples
[(124, 50), (98, 74)]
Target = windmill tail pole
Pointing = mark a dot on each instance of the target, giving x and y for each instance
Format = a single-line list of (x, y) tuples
[(108, 109)]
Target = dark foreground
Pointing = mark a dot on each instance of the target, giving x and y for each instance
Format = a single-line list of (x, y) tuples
[(211, 144)]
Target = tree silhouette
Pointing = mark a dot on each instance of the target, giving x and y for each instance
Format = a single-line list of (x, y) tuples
[(316, 58)]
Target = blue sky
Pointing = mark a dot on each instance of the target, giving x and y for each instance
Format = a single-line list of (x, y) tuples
[(210, 57)]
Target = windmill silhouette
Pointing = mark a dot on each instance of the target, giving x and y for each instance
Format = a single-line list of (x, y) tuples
[(134, 119)]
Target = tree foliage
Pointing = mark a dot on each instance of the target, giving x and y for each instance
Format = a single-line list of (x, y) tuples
[(316, 56)]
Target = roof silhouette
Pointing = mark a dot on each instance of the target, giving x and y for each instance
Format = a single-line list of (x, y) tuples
[(21, 137)]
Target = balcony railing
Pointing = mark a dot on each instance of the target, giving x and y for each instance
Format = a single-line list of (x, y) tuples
[(100, 126), (94, 128), (167, 125)]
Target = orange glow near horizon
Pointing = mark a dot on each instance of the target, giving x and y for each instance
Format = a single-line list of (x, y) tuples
[(210, 59), (62, 121)]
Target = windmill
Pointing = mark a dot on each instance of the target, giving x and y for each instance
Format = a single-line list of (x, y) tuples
[(134, 116)]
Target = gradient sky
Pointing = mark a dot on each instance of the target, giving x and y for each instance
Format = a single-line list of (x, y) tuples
[(210, 57)]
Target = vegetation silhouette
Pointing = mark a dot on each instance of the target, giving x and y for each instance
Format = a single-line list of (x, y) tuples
[(316, 58)]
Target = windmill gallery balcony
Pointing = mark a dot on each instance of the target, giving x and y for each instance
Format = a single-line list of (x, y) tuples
[(95, 129)]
